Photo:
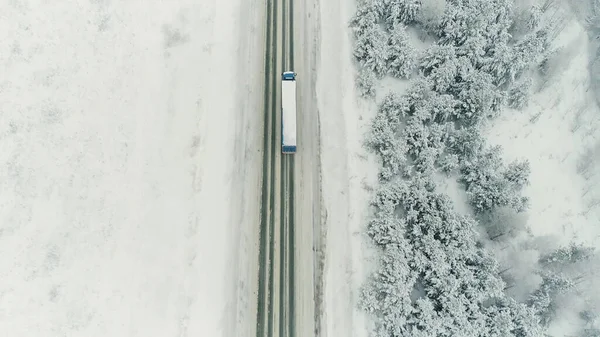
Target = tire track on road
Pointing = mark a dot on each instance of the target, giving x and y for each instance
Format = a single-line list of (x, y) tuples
[(265, 319)]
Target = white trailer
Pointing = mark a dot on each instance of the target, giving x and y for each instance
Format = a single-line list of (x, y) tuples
[(288, 112)]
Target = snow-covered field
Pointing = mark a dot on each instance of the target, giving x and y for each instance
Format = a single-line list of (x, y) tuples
[(131, 148), (558, 133), (130, 164)]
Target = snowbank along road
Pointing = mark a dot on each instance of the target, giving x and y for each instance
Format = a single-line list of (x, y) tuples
[(285, 285)]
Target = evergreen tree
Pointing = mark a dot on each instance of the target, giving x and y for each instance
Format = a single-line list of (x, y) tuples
[(365, 83), (479, 97), (518, 94), (528, 51), (591, 332), (371, 50), (517, 174), (366, 17), (543, 300), (384, 139), (443, 108), (435, 56), (571, 254), (466, 143), (402, 11), (498, 59), (448, 163), (503, 223), (488, 182), (400, 55)]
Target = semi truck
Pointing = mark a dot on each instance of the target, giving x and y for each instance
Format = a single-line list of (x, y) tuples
[(288, 112)]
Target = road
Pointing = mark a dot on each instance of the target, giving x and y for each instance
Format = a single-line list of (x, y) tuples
[(286, 294)]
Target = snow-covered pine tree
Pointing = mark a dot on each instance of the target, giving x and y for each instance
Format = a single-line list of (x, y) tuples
[(503, 224), (498, 59), (401, 11), (563, 256), (479, 97), (443, 109), (590, 332), (391, 148), (430, 15), (457, 275), (527, 52), (466, 143), (487, 182), (466, 19), (534, 18), (371, 51), (518, 94), (506, 317), (543, 300), (384, 136), (370, 47), (387, 294), (416, 136), (366, 17), (448, 163), (454, 26), (517, 174), (365, 83), (499, 321), (433, 278), (434, 57), (400, 55), (526, 20)]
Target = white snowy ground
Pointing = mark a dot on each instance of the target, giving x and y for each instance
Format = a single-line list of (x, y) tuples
[(346, 171), (130, 141), (554, 132), (559, 134)]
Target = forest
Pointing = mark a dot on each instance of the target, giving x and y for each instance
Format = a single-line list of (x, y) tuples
[(441, 272)]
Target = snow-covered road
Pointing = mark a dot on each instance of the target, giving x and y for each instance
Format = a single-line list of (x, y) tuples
[(130, 165)]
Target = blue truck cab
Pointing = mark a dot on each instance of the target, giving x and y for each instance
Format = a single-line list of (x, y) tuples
[(289, 76)]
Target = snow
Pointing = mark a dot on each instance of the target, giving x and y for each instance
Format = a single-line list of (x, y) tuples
[(558, 134), (288, 101), (125, 207), (346, 170), (554, 132)]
